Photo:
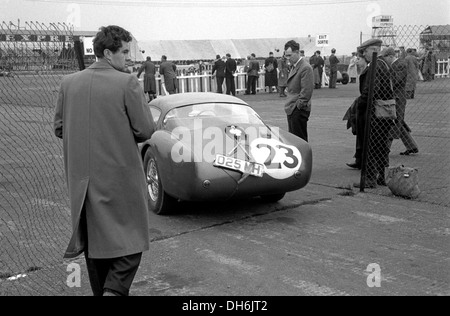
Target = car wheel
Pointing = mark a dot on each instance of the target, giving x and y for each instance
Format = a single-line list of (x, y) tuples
[(272, 198), (159, 202), (345, 78)]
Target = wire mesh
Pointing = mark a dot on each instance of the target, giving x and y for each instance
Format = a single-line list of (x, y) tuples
[(34, 213)]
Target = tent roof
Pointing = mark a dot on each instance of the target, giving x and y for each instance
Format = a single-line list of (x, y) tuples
[(208, 49)]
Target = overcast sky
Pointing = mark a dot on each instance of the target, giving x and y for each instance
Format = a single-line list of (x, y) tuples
[(342, 20)]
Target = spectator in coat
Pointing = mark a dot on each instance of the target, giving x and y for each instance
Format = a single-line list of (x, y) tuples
[(412, 65), (334, 61), (218, 71), (101, 115), (300, 87), (271, 72), (319, 64), (400, 74), (168, 72), (378, 146), (352, 70), (231, 67), (358, 125), (283, 67), (149, 78), (252, 75), (429, 65)]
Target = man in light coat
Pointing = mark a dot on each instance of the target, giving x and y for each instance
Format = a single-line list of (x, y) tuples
[(300, 87), (101, 115), (352, 70)]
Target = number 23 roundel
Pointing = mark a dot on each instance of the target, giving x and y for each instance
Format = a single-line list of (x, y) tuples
[(281, 161)]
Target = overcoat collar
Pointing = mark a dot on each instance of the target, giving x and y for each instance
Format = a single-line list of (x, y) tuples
[(101, 64)]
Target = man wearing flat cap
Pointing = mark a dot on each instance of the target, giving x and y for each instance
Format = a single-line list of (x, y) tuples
[(400, 75), (378, 150)]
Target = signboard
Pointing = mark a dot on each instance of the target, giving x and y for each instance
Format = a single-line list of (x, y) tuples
[(35, 38), (322, 40), (383, 21), (88, 46)]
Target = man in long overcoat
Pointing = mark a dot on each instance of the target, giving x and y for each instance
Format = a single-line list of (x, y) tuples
[(168, 72), (271, 75), (412, 66), (149, 78), (101, 115), (283, 75), (378, 142)]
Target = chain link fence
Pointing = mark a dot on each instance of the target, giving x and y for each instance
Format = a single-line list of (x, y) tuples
[(34, 217), (415, 74)]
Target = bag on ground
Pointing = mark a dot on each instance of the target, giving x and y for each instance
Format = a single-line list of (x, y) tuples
[(403, 181)]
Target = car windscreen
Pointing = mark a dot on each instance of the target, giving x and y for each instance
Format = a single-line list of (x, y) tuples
[(211, 114)]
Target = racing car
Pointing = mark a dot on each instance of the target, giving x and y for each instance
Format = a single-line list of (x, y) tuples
[(215, 147)]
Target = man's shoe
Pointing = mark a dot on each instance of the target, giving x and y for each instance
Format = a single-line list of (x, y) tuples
[(368, 185), (409, 152), (354, 165)]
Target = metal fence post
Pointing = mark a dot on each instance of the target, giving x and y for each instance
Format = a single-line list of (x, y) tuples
[(367, 130)]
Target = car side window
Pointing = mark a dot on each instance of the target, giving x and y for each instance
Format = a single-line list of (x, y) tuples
[(156, 114)]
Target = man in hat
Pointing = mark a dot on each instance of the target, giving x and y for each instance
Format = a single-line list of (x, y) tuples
[(218, 71), (378, 147), (400, 74)]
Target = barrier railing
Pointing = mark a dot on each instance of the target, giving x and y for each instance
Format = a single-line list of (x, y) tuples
[(205, 83), (443, 69)]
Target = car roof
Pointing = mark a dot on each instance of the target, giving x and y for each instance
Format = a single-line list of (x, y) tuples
[(172, 101)]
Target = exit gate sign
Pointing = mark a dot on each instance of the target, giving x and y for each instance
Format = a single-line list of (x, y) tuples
[(322, 40)]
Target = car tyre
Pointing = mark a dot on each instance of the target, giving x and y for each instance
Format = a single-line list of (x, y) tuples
[(159, 202), (272, 198)]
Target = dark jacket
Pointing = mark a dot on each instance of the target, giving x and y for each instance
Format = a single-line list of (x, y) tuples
[(334, 61), (219, 67), (382, 88), (231, 67)]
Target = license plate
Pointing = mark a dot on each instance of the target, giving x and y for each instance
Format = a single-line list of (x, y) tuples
[(253, 168)]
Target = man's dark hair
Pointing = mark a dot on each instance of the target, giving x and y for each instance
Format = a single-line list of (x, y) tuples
[(333, 51), (293, 45), (110, 37), (164, 57), (228, 55), (253, 54)]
